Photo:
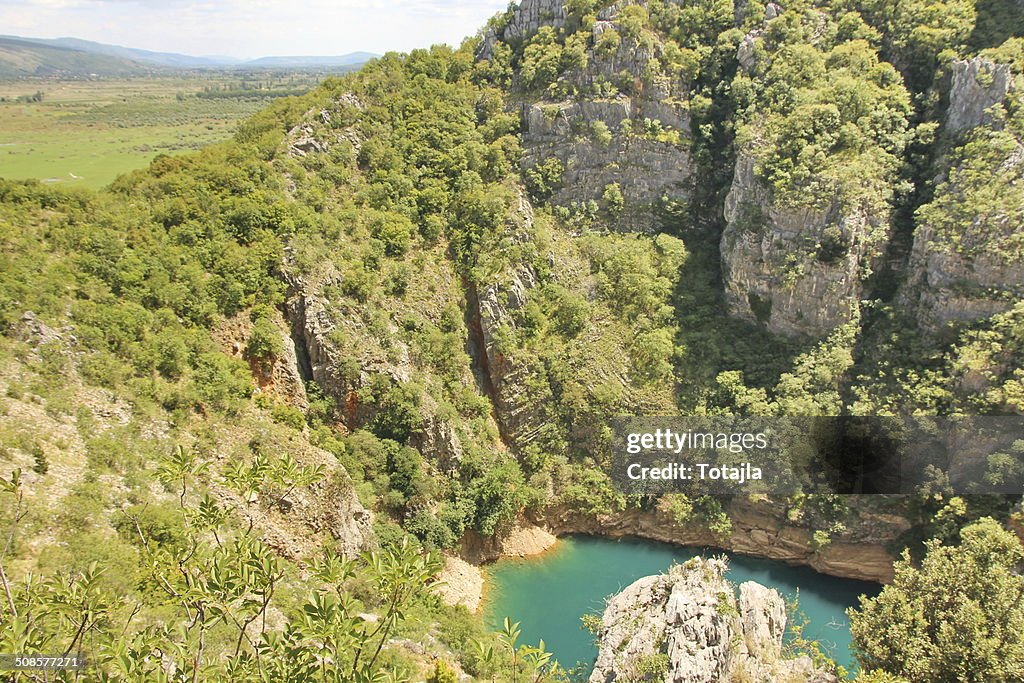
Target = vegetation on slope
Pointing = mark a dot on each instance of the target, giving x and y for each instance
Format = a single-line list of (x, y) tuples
[(394, 200)]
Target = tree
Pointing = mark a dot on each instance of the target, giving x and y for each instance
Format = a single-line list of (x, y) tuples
[(394, 230), (442, 673), (542, 59), (264, 345), (613, 200), (545, 178), (916, 32), (608, 42), (958, 617), (632, 20)]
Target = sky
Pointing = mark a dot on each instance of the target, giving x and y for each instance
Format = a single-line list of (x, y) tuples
[(252, 28)]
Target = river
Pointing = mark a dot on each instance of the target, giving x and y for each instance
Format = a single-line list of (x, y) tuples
[(549, 593)]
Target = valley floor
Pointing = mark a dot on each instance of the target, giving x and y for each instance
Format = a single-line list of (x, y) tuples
[(88, 132)]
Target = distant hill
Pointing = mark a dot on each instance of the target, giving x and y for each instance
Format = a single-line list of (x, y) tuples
[(352, 59), (20, 57), (170, 59)]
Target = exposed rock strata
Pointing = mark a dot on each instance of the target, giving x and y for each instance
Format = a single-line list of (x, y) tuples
[(523, 540), (945, 286), (530, 15), (296, 523), (314, 320), (317, 132), (759, 529), (645, 169), (496, 303), (690, 624), (282, 378)]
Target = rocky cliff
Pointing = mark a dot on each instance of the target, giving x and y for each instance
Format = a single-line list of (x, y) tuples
[(976, 86), (803, 230), (688, 626), (798, 271), (494, 306), (346, 352), (967, 263), (611, 117)]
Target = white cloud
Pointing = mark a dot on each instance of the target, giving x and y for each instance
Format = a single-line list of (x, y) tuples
[(250, 28)]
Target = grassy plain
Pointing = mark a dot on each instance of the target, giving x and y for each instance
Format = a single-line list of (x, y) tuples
[(87, 132)]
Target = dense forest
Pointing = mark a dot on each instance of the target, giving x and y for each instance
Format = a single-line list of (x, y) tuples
[(254, 395)]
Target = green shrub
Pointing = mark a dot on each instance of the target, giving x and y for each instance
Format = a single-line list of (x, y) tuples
[(220, 382), (442, 673), (613, 200), (288, 415)]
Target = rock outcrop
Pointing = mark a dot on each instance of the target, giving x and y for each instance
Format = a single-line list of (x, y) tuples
[(688, 626), (644, 168), (522, 540), (319, 322), (966, 263), (977, 84), (798, 271), (496, 304), (297, 522), (946, 287), (530, 15), (317, 133), (281, 377), (619, 124), (314, 325)]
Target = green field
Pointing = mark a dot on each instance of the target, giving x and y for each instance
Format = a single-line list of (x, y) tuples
[(89, 132)]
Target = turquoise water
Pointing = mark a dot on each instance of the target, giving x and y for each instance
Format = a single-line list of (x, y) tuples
[(548, 594)]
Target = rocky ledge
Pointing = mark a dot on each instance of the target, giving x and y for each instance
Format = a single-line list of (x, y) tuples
[(759, 528), (688, 626)]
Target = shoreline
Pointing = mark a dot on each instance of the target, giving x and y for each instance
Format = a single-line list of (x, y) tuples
[(760, 530), (487, 589)]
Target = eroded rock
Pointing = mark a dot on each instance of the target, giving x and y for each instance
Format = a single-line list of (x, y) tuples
[(798, 271), (687, 626), (965, 264), (977, 85), (635, 135)]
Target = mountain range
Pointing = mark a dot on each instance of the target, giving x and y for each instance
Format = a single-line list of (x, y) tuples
[(74, 57)]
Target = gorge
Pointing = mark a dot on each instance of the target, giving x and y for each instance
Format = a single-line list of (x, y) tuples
[(549, 593), (258, 401)]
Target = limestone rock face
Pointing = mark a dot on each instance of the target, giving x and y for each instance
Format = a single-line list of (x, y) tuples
[(302, 519), (645, 144), (282, 377), (530, 15), (977, 84), (317, 324), (945, 286), (962, 271), (317, 133), (689, 627), (644, 169), (797, 271), (760, 529)]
